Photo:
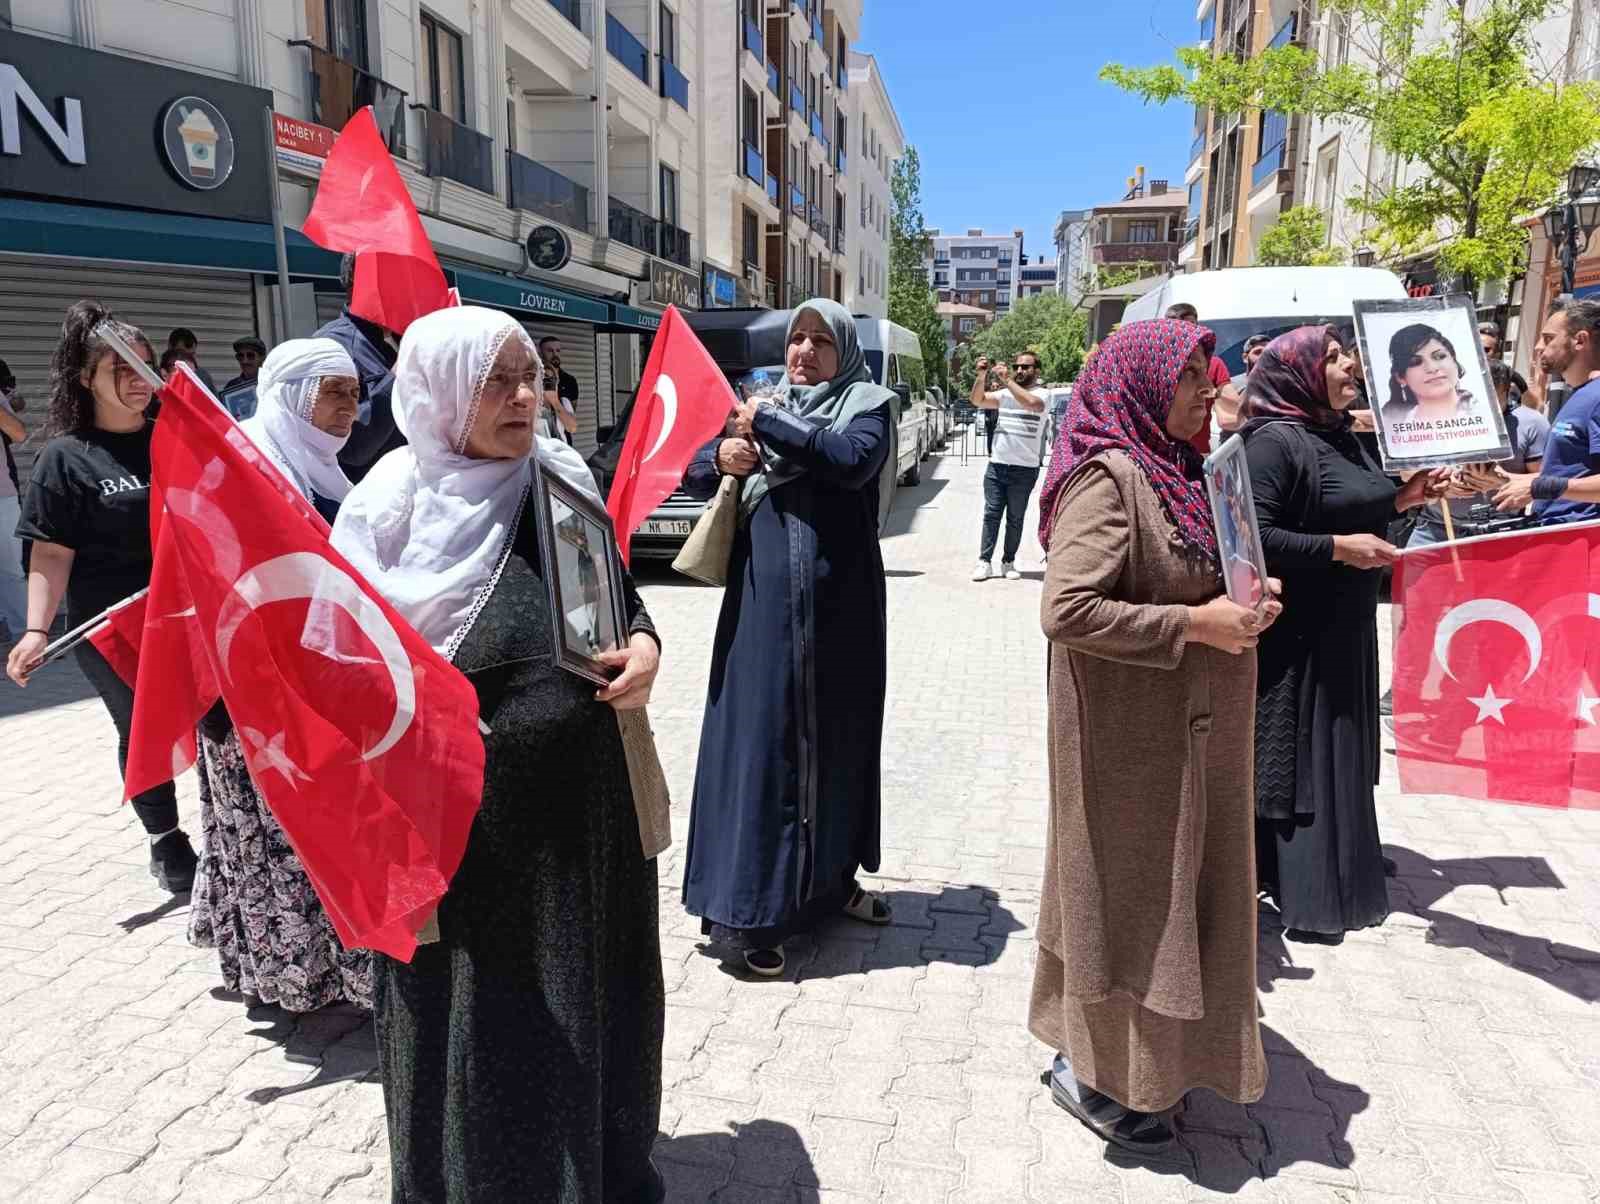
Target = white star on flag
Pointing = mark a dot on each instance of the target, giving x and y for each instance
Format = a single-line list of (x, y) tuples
[(1586, 706), (1490, 707), (269, 755)]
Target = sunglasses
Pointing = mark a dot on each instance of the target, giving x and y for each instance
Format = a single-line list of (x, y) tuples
[(1025, 367)]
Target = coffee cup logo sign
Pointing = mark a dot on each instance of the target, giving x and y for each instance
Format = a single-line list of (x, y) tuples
[(198, 142)]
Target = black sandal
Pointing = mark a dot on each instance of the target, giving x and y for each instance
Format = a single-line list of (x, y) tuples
[(1136, 1132), (768, 963), (868, 907)]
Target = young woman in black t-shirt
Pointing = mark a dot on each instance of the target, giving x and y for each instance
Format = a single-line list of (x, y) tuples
[(87, 510)]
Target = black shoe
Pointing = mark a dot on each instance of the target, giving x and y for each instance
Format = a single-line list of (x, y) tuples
[(172, 863), (1136, 1132)]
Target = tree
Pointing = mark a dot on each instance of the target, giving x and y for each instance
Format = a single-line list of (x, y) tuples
[(1047, 325), (1493, 137), (911, 299), (1298, 238)]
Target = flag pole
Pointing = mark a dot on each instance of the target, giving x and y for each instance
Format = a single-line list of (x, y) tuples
[(59, 648), (277, 232), (1450, 536)]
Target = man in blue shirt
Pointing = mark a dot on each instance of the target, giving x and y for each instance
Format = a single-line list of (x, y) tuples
[(1567, 486)]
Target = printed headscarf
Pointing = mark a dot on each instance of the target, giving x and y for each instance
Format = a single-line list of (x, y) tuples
[(1120, 403), (1290, 381), (834, 403), (286, 395)]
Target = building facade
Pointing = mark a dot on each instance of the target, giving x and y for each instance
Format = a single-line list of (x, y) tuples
[(579, 165), (1037, 278), (880, 142), (961, 325), (1072, 252), (975, 268)]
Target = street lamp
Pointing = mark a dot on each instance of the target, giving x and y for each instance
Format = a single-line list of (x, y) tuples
[(1569, 224), (1365, 257)]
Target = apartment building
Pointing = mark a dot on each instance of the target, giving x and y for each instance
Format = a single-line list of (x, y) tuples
[(975, 268), (1072, 252), (580, 164), (961, 325), (1036, 278), (882, 141)]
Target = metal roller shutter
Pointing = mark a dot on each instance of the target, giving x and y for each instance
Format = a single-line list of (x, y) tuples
[(36, 291), (579, 359), (329, 307)]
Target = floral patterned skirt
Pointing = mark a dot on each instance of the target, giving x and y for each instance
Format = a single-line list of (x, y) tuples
[(254, 905)]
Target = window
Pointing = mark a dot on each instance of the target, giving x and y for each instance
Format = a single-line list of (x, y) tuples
[(669, 35), (340, 27), (1338, 53), (752, 240), (444, 79), (985, 298), (1144, 230), (811, 92), (1002, 298), (968, 325), (1327, 175), (669, 195), (750, 117), (864, 152)]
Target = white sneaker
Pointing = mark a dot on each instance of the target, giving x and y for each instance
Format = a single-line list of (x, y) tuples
[(983, 572), (1010, 570)]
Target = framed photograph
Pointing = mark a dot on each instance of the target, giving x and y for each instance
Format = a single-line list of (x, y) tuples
[(1233, 510), (1428, 381), (583, 574)]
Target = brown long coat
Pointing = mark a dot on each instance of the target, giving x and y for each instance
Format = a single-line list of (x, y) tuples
[(1147, 923)]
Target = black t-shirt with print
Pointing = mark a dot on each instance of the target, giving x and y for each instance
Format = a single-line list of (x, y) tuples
[(91, 493)]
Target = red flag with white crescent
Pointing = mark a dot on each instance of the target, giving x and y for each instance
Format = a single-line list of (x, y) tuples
[(1496, 668), (683, 402), (361, 738)]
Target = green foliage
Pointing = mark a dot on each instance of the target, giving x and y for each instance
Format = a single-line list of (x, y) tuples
[(1097, 278), (911, 299), (1298, 238), (1047, 325), (1494, 138)]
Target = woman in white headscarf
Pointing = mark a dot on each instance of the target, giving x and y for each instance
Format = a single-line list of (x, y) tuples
[(521, 1053), (252, 901)]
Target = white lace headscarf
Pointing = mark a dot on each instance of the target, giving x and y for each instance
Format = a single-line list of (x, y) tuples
[(430, 526), (286, 394)]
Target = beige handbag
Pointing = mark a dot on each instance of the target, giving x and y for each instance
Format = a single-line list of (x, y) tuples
[(706, 552), (650, 798)]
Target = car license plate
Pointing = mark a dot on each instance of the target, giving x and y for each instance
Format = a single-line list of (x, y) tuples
[(667, 526)]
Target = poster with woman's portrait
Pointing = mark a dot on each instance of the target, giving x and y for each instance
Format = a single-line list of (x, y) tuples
[(583, 577), (1428, 380), (1233, 510)]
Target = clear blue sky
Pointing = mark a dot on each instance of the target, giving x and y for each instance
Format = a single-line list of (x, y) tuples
[(1003, 102)]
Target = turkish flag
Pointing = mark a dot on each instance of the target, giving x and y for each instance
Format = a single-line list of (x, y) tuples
[(1494, 682), (363, 205), (117, 637), (683, 403), (360, 737)]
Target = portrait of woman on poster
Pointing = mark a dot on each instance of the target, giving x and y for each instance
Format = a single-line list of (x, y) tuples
[(1428, 412)]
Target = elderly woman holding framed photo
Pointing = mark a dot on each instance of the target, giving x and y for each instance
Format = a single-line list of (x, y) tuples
[(521, 1053)]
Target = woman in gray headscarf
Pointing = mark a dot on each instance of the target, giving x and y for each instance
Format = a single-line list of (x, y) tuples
[(786, 789)]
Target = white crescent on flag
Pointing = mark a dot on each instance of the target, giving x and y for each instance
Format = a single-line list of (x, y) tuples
[(312, 576), (1489, 610), (666, 389)]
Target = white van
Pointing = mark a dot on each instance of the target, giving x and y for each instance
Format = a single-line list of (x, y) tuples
[(1236, 303), (894, 357)]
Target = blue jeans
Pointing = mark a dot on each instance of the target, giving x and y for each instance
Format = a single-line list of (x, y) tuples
[(1006, 489), (1425, 534)]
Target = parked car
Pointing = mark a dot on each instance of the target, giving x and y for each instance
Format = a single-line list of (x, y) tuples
[(939, 418), (894, 357)]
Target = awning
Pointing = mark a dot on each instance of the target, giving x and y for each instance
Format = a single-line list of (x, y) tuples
[(139, 236), (626, 317), (528, 296)]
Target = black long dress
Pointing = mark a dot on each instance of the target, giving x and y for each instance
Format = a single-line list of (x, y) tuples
[(786, 791), (1318, 852), (521, 1054)]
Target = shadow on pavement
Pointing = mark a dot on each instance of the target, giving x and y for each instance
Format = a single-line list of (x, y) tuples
[(908, 499), (964, 925), (145, 918), (1422, 882), (761, 1160), (57, 684), (1274, 956), (1223, 1146)]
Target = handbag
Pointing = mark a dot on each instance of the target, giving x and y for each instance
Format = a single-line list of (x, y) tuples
[(706, 552), (651, 802)]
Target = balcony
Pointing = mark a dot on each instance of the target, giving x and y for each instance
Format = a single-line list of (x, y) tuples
[(754, 168), (1135, 252), (774, 83), (534, 187), (628, 225), (774, 193), (1285, 34), (838, 238), (769, 294), (1191, 231), (752, 40), (817, 35), (817, 130), (797, 99), (674, 85), (839, 160), (797, 201), (842, 76), (818, 222), (456, 152), (569, 10), (339, 90), (794, 295), (627, 49), (1268, 165), (676, 245), (1198, 146)]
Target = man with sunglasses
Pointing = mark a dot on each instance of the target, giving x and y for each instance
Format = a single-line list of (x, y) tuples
[(1014, 455)]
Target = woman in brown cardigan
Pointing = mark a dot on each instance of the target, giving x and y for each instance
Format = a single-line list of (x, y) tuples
[(1147, 925)]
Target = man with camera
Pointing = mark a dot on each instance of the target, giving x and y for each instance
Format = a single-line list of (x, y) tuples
[(1014, 455)]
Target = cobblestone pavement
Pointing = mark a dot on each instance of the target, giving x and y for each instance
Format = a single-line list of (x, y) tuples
[(1453, 1053)]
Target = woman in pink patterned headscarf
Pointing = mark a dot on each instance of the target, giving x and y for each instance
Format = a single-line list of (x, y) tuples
[(1145, 981)]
